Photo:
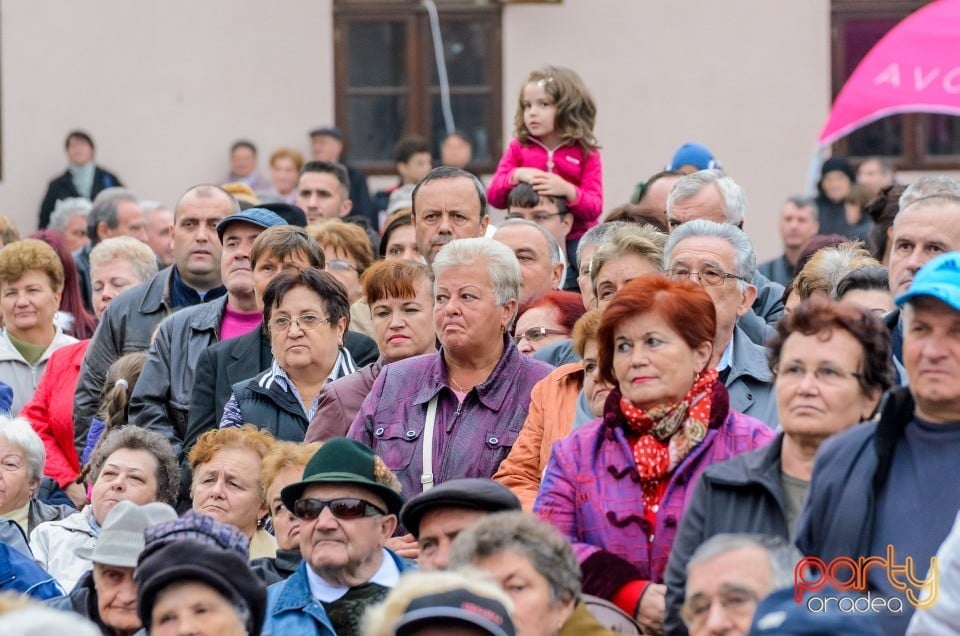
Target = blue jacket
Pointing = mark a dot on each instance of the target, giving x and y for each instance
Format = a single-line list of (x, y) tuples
[(292, 610), (848, 473), (19, 573)]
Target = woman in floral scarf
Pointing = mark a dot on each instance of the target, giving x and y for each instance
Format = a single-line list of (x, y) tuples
[(617, 487)]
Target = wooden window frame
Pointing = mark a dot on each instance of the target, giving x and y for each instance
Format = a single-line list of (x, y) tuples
[(418, 57), (915, 125)]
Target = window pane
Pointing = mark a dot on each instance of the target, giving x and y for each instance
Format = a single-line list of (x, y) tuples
[(375, 124), (466, 47), (943, 135), (470, 114), (883, 137), (376, 54)]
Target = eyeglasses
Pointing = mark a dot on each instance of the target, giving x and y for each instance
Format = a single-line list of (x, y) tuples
[(342, 508), (794, 372), (536, 334), (339, 266), (707, 276), (735, 601), (305, 322)]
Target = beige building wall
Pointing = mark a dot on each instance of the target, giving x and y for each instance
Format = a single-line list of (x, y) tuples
[(165, 86), (748, 78)]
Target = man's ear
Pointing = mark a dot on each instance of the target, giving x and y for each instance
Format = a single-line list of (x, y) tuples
[(746, 301), (557, 276), (484, 222), (346, 207), (103, 230)]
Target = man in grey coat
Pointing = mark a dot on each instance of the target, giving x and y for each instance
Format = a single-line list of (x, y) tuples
[(161, 399), (710, 196), (720, 257), (128, 323)]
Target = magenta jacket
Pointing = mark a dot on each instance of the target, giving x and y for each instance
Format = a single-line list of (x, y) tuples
[(470, 439), (569, 162), (591, 493)]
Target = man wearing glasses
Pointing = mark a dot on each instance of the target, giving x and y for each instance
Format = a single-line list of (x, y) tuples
[(720, 257), (710, 196), (347, 503), (552, 215)]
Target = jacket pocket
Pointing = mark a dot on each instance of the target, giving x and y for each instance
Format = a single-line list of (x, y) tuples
[(396, 443)]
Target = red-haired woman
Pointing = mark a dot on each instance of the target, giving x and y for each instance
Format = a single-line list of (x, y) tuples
[(617, 487), (547, 319)]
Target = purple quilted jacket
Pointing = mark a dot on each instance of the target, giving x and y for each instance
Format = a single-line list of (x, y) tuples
[(591, 493)]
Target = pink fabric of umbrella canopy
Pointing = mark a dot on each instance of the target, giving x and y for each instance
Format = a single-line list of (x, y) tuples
[(914, 68)]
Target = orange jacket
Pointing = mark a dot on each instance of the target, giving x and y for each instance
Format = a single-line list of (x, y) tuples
[(553, 404)]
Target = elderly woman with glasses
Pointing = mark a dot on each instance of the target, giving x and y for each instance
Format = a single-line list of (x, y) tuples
[(400, 296), (547, 319), (617, 487), (306, 313), (832, 364), (457, 412)]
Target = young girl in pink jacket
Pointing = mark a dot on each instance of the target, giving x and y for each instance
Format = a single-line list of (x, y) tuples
[(554, 148)]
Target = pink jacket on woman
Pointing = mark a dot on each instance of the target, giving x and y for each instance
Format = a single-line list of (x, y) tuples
[(568, 161)]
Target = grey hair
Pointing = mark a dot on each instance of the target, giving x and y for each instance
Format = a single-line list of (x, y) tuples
[(745, 262), (66, 209), (38, 620), (598, 234), (734, 199), (136, 438), (502, 265), (104, 209), (644, 241), (19, 432), (125, 248), (556, 252), (150, 206), (548, 551), (938, 185), (801, 201), (783, 556)]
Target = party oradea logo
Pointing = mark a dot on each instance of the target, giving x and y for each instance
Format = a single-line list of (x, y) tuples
[(845, 585)]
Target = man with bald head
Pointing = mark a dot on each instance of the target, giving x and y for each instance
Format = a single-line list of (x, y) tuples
[(128, 323), (449, 203)]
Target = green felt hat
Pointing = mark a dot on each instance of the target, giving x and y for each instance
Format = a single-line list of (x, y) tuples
[(344, 461)]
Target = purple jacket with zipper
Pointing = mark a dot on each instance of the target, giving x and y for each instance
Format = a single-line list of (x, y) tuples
[(591, 493), (470, 439)]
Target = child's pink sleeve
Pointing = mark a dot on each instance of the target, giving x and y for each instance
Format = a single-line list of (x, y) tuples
[(589, 202), (499, 189)]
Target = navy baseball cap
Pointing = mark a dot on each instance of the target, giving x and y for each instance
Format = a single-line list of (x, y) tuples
[(939, 278), (254, 216), (326, 131)]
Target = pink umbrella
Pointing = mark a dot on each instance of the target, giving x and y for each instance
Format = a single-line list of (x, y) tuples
[(914, 68)]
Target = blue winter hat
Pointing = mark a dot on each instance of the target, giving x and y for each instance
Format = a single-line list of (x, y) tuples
[(781, 615), (939, 278), (691, 154)]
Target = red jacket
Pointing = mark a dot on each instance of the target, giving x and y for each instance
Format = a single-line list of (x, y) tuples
[(51, 412), (567, 161)]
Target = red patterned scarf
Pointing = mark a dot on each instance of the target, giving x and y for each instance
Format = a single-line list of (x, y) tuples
[(668, 432)]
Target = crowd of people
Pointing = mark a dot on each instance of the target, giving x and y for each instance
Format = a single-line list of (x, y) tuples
[(283, 405)]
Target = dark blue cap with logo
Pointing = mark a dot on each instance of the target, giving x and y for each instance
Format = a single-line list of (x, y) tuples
[(939, 278), (254, 216)]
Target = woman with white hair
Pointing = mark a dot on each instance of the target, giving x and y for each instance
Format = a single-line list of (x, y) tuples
[(21, 468), (457, 412)]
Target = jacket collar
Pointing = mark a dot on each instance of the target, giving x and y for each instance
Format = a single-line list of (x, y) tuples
[(207, 316), (760, 466), (492, 393), (749, 359), (9, 352), (156, 293)]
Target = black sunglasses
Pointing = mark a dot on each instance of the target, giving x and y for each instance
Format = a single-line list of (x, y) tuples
[(342, 508)]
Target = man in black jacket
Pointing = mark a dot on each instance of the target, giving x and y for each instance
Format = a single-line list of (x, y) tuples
[(127, 324), (889, 490), (82, 179)]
